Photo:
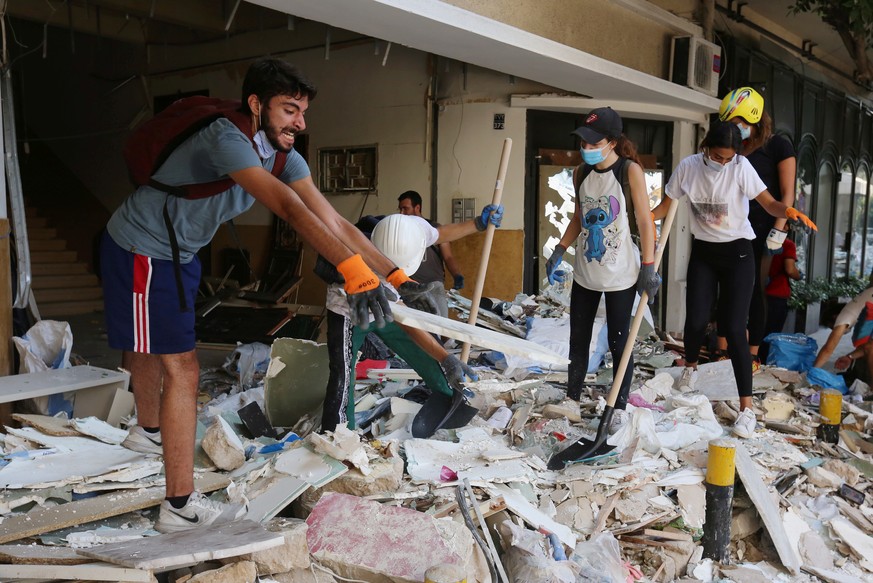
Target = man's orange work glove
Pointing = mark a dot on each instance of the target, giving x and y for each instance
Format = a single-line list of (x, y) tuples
[(365, 294)]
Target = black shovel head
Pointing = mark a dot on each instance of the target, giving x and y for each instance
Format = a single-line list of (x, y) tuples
[(442, 412), (585, 449)]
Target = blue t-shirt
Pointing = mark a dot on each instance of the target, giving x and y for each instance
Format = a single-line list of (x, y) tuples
[(209, 155)]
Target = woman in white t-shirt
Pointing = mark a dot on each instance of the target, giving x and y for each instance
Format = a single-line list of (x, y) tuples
[(718, 184), (607, 259)]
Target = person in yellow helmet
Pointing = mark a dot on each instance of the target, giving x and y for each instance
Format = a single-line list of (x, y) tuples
[(773, 158)]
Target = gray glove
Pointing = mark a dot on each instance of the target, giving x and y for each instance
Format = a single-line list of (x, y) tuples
[(455, 371), (648, 281), (553, 263), (362, 304), (420, 296)]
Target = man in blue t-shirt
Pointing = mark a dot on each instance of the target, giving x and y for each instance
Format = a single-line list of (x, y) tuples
[(148, 295)]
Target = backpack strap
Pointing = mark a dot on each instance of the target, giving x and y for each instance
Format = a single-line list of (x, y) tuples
[(622, 174)]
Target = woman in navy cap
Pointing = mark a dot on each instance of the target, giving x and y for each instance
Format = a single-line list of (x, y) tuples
[(612, 208)]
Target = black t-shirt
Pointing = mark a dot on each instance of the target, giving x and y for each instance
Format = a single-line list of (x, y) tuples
[(765, 161), (432, 268)]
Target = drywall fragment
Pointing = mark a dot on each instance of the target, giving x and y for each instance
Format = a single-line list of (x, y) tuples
[(242, 572), (223, 446), (343, 444), (692, 502), (778, 406), (813, 551), (99, 430), (295, 380), (860, 543)]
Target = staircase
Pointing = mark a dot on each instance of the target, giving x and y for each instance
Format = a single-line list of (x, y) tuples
[(62, 285)]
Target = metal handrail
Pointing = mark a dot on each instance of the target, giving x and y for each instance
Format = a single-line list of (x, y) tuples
[(16, 193)]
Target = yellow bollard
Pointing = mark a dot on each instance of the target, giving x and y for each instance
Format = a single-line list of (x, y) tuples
[(830, 407), (719, 483), (445, 573)]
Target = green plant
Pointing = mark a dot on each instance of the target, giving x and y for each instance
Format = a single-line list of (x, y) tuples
[(820, 289)]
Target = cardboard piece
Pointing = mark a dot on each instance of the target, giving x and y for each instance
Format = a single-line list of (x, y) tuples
[(189, 546), (478, 336), (57, 426), (111, 404), (767, 508)]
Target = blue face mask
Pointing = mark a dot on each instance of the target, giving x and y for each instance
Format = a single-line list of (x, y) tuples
[(592, 157), (745, 131)]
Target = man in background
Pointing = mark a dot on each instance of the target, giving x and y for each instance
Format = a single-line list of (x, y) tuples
[(436, 258)]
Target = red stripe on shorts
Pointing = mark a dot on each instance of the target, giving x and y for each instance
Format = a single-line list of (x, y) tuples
[(142, 277)]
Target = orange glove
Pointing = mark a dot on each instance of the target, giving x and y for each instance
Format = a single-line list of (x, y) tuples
[(397, 277), (794, 215), (366, 294)]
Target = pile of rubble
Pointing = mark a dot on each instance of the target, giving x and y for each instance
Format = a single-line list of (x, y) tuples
[(375, 504)]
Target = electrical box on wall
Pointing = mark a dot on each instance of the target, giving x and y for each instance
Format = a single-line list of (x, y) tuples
[(463, 209)]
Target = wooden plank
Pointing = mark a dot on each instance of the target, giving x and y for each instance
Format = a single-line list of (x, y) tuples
[(189, 546), (41, 555), (88, 572), (53, 381), (43, 520), (478, 336), (767, 508), (667, 535)]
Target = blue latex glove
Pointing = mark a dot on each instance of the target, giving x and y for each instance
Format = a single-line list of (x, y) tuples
[(490, 214), (459, 282), (648, 281), (552, 271)]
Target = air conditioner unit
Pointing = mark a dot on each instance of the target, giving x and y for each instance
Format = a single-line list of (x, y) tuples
[(695, 63)]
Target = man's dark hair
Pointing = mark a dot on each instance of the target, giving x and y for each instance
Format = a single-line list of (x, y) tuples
[(411, 195), (269, 77)]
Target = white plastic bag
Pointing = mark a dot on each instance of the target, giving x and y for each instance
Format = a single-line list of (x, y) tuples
[(45, 346)]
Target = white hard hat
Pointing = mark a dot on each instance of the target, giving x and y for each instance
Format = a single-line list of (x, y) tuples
[(401, 239)]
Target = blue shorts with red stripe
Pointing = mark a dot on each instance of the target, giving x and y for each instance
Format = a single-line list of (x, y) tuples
[(143, 312)]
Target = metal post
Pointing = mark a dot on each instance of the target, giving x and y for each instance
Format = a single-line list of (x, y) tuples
[(720, 469)]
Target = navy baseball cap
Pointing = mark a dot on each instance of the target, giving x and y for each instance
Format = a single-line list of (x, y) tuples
[(601, 123)]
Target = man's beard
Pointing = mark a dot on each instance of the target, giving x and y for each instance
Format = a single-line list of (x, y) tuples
[(273, 134)]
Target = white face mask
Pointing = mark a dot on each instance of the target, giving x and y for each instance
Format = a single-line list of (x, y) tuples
[(712, 164), (265, 148)]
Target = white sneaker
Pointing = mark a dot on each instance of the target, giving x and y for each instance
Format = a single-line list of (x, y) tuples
[(138, 439), (619, 418), (200, 511), (745, 424), (687, 380)]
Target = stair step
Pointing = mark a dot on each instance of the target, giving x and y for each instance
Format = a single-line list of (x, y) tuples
[(59, 309), (63, 295), (48, 244), (39, 233), (60, 268), (51, 256), (36, 223), (69, 282)]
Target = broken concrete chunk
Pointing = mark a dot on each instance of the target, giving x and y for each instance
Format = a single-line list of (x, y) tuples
[(822, 478), (344, 445), (778, 405), (359, 539), (223, 446), (849, 474), (568, 410), (242, 572), (386, 475), (292, 554)]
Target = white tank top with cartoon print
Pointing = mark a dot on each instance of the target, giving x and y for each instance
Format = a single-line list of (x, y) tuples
[(606, 257)]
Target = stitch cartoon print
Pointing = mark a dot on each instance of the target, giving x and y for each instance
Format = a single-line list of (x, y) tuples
[(596, 221)]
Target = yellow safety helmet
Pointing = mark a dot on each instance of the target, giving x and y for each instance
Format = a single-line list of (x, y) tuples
[(744, 102)]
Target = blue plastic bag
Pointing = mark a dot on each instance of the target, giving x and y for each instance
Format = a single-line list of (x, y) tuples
[(791, 351), (826, 380)]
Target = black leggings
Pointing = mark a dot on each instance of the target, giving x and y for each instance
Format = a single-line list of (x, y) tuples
[(583, 309), (728, 271)]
